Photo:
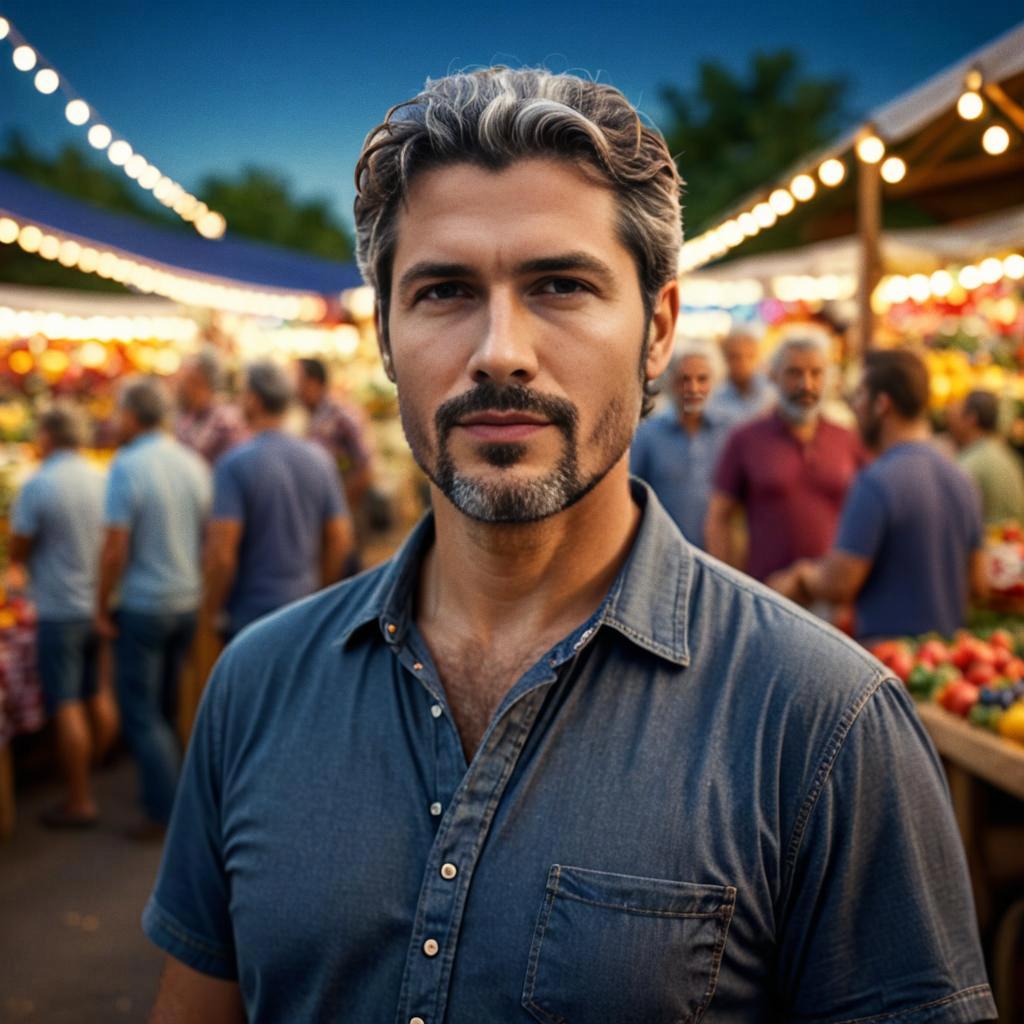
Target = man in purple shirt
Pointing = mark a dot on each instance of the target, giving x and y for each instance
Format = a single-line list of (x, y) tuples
[(789, 471)]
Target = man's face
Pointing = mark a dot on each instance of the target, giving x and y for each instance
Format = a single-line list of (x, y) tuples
[(691, 385), (801, 384), (741, 360), (308, 390), (517, 335), (192, 389)]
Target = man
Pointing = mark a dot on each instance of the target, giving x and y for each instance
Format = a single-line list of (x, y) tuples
[(551, 762), (745, 393), (676, 451), (908, 549), (206, 423), (158, 495), (279, 527), (336, 429), (987, 458), (788, 471), (57, 525)]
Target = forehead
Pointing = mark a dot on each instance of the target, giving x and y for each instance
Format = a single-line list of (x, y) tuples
[(467, 214), (804, 358), (692, 365)]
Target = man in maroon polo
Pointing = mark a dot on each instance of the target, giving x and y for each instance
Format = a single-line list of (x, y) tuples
[(788, 471)]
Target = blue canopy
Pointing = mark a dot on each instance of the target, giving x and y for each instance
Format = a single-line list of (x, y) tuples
[(233, 259)]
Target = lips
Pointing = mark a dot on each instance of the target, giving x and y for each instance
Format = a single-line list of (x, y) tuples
[(502, 426)]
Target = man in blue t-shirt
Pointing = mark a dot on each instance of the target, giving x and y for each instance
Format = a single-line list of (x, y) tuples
[(280, 527), (57, 527), (908, 550)]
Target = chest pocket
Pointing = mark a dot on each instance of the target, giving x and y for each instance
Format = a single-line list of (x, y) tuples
[(620, 948)]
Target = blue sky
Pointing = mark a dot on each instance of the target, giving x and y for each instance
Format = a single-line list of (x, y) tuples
[(207, 86)]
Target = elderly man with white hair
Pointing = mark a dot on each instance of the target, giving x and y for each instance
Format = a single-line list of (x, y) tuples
[(676, 450), (789, 471)]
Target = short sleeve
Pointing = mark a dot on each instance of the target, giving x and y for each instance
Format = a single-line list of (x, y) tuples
[(228, 494), (25, 513), (188, 913), (729, 477), (119, 502), (878, 920), (862, 525)]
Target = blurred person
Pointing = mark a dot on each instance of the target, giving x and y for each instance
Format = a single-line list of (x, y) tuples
[(336, 428), (789, 471), (207, 423), (908, 552), (157, 500), (676, 450), (987, 458), (280, 528), (746, 392), (57, 527), (551, 762)]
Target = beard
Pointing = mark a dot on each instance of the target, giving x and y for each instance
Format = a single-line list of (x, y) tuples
[(512, 500), (792, 410)]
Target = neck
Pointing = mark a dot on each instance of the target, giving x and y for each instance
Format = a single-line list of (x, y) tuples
[(900, 431), (264, 421), (494, 582), (744, 387), (691, 421), (802, 431)]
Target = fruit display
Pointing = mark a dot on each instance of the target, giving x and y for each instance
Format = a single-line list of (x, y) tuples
[(978, 677)]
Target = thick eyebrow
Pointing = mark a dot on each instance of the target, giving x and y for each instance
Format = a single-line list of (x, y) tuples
[(568, 261)]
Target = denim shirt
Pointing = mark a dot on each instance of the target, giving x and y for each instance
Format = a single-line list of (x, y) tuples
[(701, 804)]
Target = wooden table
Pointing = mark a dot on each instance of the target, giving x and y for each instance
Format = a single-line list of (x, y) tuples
[(971, 754)]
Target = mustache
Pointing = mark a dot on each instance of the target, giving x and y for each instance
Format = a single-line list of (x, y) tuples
[(490, 397), (815, 395)]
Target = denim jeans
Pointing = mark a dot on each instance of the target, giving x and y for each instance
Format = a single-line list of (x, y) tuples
[(67, 653), (150, 652)]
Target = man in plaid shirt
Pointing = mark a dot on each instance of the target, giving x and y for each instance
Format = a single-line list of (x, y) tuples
[(206, 424)]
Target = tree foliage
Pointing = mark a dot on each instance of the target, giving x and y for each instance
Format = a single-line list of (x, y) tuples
[(732, 133)]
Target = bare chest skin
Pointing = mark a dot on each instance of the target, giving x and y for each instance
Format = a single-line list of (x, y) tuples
[(476, 680)]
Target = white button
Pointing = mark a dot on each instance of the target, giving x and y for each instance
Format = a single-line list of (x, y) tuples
[(435, 809), (430, 947), (436, 710), (449, 871), (417, 1020)]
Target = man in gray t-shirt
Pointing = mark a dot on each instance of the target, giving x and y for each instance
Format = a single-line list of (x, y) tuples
[(56, 525)]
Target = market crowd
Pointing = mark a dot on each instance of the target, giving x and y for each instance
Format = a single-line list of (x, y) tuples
[(213, 513), (221, 514)]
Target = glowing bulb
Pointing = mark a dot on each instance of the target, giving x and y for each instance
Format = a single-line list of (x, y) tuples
[(941, 283), (135, 166), (8, 230), (764, 215), (47, 81), (77, 112), (149, 177), (894, 170), (991, 270), (162, 189), (119, 153), (996, 140), (70, 250), (99, 136), (212, 225), (49, 248), (732, 233), (1013, 265), (5, 27), (920, 288), (803, 187), (969, 277), (871, 149), (24, 58), (970, 106), (21, 362), (30, 238), (832, 172), (781, 202), (747, 224)]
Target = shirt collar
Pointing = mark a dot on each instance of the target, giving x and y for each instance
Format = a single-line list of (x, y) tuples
[(648, 603), (147, 437)]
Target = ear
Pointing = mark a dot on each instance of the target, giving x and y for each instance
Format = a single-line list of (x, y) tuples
[(383, 342), (662, 331), (882, 404)]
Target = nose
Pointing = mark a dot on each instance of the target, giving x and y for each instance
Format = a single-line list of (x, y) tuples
[(506, 351)]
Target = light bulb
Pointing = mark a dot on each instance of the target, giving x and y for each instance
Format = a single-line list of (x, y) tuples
[(832, 172), (996, 140), (99, 136), (47, 81), (970, 106), (803, 187), (893, 170), (77, 112), (24, 58), (871, 149)]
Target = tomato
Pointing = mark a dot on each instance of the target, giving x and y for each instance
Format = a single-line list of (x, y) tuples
[(934, 652), (960, 698), (1001, 638), (901, 664), (980, 674)]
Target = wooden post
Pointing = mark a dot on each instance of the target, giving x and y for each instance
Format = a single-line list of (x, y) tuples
[(869, 229)]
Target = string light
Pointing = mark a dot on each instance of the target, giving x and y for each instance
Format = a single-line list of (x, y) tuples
[(896, 288), (832, 172), (996, 140), (970, 106), (803, 187), (154, 278), (870, 149), (893, 170), (782, 202), (99, 135)]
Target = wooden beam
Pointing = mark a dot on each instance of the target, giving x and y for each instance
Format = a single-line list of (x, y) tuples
[(1009, 107), (869, 225), (967, 171)]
